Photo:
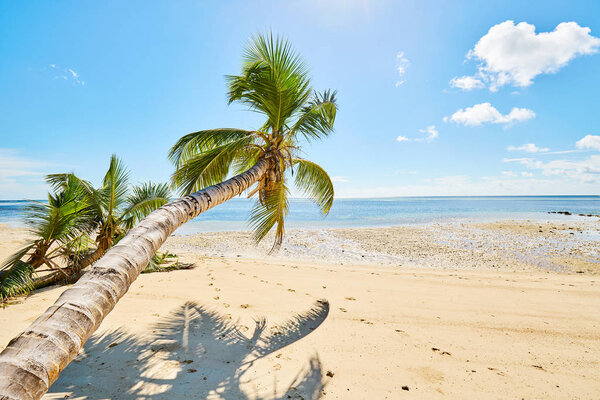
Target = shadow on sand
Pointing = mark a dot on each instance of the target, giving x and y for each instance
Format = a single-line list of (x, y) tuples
[(194, 353)]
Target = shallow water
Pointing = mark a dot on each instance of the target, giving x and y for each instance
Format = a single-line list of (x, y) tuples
[(346, 213)]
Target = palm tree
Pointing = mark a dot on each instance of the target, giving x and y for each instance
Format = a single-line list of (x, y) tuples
[(71, 215), (58, 226), (274, 82), (115, 210)]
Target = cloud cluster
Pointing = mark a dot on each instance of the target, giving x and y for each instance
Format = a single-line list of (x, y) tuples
[(483, 113), (589, 142), (402, 65), (514, 55), (583, 170), (529, 148), (431, 133)]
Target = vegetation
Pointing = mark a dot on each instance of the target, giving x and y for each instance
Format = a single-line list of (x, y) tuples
[(274, 82), (76, 217)]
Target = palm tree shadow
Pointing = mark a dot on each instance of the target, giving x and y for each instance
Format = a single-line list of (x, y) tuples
[(194, 353)]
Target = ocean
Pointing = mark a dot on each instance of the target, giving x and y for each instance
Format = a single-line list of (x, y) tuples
[(348, 213)]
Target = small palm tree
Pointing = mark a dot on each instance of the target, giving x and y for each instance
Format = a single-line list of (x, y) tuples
[(75, 212), (114, 208), (58, 227), (274, 82)]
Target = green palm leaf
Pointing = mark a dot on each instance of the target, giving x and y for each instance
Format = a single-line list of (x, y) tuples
[(16, 280), (143, 200), (313, 181), (209, 167), (316, 119), (198, 142), (270, 212)]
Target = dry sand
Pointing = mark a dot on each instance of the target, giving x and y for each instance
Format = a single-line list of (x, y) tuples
[(256, 327)]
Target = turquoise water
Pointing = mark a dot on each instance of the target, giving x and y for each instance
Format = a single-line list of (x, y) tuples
[(377, 212)]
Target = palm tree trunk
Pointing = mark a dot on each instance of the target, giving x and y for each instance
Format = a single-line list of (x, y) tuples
[(33, 360)]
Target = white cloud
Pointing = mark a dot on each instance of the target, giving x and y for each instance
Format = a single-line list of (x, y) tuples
[(67, 74), (508, 173), (586, 170), (20, 177), (402, 64), (467, 83), (514, 55), (485, 113), (461, 185), (340, 179), (527, 174), (589, 142), (529, 148), (431, 132)]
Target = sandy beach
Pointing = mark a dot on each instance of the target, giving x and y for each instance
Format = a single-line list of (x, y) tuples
[(500, 310)]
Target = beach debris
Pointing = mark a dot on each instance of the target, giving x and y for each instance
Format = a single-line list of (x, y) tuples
[(405, 388), (330, 374), (444, 353)]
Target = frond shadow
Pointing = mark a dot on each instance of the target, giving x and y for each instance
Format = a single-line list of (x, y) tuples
[(194, 353)]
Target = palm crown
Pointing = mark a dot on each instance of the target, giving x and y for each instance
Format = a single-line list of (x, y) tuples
[(274, 82)]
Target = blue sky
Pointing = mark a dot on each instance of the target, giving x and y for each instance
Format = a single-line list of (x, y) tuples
[(436, 97)]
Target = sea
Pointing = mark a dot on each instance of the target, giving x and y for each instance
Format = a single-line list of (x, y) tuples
[(356, 213)]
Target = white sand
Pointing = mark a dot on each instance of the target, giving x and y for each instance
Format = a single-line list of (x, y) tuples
[(443, 333)]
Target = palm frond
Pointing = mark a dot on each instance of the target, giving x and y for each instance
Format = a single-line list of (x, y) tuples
[(317, 117), (313, 181), (65, 217), (15, 257), (115, 186), (271, 211), (143, 200), (274, 80), (16, 280), (91, 196), (209, 167), (201, 141)]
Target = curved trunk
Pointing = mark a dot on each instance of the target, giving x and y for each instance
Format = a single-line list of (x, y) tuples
[(33, 360)]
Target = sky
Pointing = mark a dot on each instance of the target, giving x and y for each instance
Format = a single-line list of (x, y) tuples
[(435, 97)]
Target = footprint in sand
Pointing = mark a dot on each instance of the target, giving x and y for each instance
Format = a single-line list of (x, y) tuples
[(291, 290), (225, 305), (350, 298), (216, 297), (217, 289), (244, 305), (343, 309)]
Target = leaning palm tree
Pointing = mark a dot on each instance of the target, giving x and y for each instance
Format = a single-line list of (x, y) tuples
[(274, 81)]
